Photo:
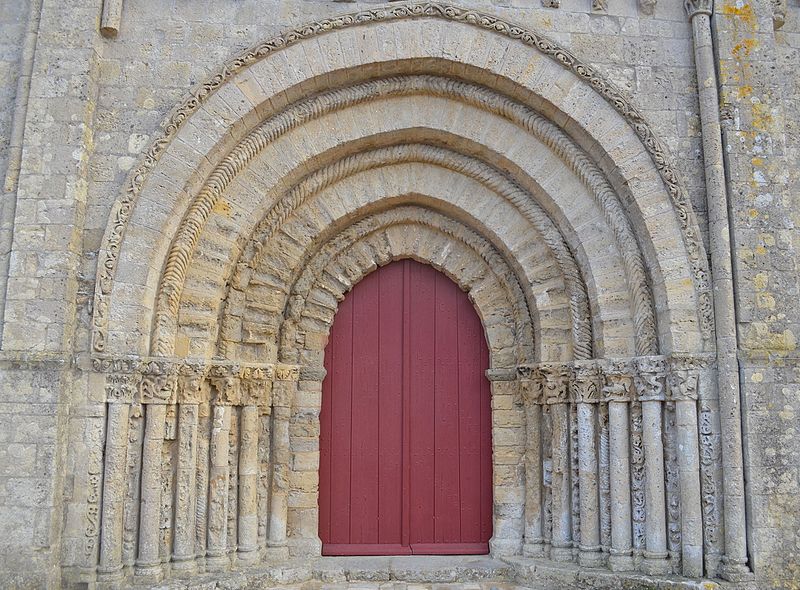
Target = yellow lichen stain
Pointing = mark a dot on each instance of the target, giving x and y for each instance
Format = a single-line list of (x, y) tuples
[(745, 91), (744, 12), (762, 117), (761, 280), (222, 207), (753, 213), (765, 301), (757, 377), (744, 48), (767, 239), (787, 413), (757, 161), (759, 337), (760, 250)]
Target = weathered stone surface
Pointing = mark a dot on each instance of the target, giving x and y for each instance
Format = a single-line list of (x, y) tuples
[(574, 173)]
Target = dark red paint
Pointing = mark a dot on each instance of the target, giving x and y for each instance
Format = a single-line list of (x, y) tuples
[(405, 445)]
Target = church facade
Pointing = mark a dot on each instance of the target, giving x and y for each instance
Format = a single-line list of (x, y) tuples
[(293, 290)]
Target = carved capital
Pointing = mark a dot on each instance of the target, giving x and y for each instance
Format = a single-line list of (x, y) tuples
[(695, 7), (650, 376), (192, 386), (226, 383), (159, 389), (120, 388), (256, 386), (554, 380), (586, 382), (618, 381), (531, 386)]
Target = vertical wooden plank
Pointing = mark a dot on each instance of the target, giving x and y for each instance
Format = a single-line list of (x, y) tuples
[(341, 390), (364, 429), (447, 444), (470, 393), (406, 351), (390, 403), (421, 393)]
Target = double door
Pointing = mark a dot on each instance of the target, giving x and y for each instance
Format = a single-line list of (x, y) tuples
[(405, 442)]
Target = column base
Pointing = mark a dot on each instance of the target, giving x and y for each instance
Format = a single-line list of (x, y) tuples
[(276, 554), (505, 547), (533, 549), (656, 563), (184, 565), (591, 557), (735, 571), (148, 573), (620, 563), (217, 563), (247, 556), (558, 553)]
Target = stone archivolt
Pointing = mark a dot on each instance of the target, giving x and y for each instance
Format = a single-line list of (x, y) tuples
[(216, 455)]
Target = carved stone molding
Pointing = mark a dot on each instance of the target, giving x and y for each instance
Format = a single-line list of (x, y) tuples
[(121, 212), (502, 373), (287, 373)]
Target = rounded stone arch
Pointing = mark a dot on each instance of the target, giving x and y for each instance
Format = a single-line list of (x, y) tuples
[(261, 82), (422, 234)]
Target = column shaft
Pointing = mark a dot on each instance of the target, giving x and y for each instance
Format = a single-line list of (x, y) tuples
[(149, 562), (114, 486), (219, 472), (655, 524), (534, 537), (561, 548), (185, 493), (248, 482), (735, 560), (590, 554), (689, 467), (620, 475)]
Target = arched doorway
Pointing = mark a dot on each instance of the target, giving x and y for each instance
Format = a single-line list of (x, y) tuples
[(405, 448)]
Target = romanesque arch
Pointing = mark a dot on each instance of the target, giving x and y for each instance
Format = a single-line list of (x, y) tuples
[(317, 156)]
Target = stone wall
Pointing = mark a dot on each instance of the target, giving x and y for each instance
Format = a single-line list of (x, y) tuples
[(96, 104)]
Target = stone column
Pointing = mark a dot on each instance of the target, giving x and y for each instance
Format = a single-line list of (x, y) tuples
[(157, 390), (531, 388), (617, 393), (650, 389), (226, 384), (120, 389), (283, 391), (735, 560), (586, 393), (682, 381), (256, 386), (556, 395), (191, 392)]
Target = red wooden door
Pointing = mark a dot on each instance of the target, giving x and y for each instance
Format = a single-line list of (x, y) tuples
[(405, 441)]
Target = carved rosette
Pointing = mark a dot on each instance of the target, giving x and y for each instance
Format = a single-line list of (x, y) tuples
[(650, 378), (586, 383), (618, 382)]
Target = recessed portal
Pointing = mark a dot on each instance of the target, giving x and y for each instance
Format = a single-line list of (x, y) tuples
[(405, 447)]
